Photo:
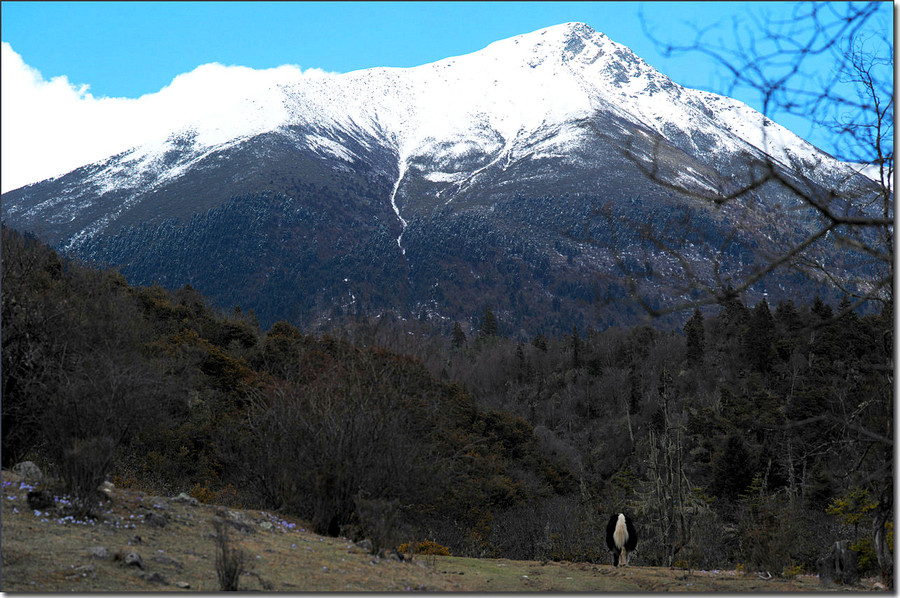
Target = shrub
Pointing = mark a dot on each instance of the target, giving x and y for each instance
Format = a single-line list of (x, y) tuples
[(769, 529), (684, 564), (868, 560), (82, 469), (230, 559), (854, 510), (425, 547), (227, 496), (380, 521), (203, 494)]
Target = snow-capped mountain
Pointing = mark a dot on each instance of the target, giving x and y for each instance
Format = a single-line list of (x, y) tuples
[(518, 144)]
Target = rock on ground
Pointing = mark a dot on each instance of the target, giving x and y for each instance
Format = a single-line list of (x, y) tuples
[(29, 470)]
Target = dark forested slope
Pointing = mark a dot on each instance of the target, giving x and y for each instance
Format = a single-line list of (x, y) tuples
[(755, 434)]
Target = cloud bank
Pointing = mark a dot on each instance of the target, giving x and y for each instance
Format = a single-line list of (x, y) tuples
[(52, 127)]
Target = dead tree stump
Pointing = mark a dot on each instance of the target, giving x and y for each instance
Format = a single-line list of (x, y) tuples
[(840, 565)]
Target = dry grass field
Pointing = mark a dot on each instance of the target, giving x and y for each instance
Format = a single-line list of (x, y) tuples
[(44, 552)]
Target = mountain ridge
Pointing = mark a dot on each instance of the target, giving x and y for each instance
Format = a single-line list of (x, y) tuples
[(553, 126), (288, 96)]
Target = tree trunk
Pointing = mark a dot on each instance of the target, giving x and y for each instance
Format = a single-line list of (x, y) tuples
[(882, 549)]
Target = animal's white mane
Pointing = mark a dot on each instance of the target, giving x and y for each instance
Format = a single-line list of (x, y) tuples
[(620, 536)]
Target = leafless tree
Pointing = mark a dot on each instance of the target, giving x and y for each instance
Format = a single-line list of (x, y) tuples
[(851, 212)]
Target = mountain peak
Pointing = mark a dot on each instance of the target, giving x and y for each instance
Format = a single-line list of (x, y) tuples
[(569, 30), (566, 38)]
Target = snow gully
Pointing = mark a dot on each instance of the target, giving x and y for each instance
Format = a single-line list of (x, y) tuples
[(402, 172)]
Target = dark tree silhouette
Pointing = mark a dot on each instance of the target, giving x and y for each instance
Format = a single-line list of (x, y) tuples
[(695, 334), (489, 325)]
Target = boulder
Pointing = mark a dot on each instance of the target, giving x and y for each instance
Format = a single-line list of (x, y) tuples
[(165, 560), (29, 471), (240, 526), (154, 578), (99, 552), (133, 559), (186, 499), (234, 519), (155, 520)]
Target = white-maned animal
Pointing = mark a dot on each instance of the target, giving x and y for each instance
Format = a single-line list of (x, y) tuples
[(621, 538)]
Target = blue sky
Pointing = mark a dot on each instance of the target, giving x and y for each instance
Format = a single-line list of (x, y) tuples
[(133, 48), (128, 49)]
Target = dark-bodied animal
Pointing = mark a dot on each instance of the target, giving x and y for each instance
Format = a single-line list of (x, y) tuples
[(621, 538)]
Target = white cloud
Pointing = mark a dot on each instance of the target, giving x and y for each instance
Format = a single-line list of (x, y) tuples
[(51, 127)]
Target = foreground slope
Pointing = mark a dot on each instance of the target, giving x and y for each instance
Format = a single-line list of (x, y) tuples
[(43, 552)]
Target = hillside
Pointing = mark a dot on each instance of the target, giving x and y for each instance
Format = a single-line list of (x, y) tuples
[(720, 439), (43, 552)]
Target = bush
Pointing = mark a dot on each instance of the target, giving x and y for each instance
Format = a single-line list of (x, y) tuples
[(82, 469), (425, 547), (76, 384), (380, 521), (230, 559), (710, 540), (770, 530), (854, 512), (203, 494)]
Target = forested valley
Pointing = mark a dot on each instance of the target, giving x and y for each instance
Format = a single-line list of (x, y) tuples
[(752, 436)]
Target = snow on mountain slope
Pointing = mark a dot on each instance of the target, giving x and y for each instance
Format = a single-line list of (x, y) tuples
[(483, 102), (449, 123)]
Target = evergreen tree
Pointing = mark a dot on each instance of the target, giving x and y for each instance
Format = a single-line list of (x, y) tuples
[(732, 470), (853, 335), (634, 389), (489, 325), (734, 314), (759, 337), (788, 324), (828, 341), (522, 364), (844, 306), (576, 348), (459, 337), (696, 338), (818, 492), (787, 317), (821, 309)]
